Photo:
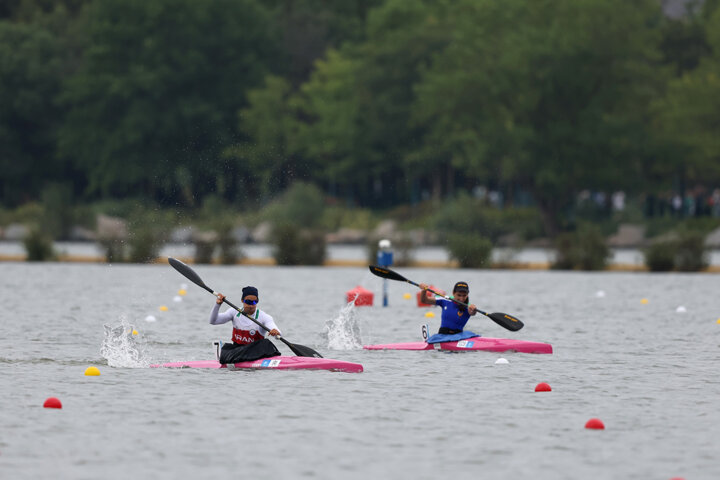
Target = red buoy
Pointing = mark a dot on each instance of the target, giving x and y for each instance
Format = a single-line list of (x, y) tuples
[(595, 424), (360, 295), (543, 387), (430, 295), (52, 402)]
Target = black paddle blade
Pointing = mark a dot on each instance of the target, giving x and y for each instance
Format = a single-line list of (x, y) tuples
[(188, 273), (386, 273), (506, 321), (301, 350)]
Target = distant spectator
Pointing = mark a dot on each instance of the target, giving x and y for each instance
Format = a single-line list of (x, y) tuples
[(618, 201), (677, 205), (689, 205), (650, 201), (496, 199), (715, 203)]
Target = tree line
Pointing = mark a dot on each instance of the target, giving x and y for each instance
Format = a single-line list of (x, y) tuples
[(377, 102)]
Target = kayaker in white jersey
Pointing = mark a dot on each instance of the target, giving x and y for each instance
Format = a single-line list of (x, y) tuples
[(249, 342)]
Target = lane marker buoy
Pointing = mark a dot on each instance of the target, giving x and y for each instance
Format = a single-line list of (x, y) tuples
[(150, 318), (543, 387), (595, 424), (52, 402), (644, 301), (92, 372), (430, 314), (163, 308), (501, 361)]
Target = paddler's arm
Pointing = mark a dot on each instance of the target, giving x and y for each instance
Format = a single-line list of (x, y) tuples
[(217, 318), (270, 323), (424, 297)]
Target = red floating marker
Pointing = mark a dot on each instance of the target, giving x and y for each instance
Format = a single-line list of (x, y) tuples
[(543, 387), (420, 293), (52, 402), (595, 424), (360, 296)]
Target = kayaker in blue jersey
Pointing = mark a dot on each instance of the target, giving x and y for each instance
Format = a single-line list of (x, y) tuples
[(454, 316), (249, 342)]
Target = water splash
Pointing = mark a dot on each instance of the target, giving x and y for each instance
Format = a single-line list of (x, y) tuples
[(123, 349), (343, 332)]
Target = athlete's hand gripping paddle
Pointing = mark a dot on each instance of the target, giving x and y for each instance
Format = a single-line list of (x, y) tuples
[(189, 273), (503, 319)]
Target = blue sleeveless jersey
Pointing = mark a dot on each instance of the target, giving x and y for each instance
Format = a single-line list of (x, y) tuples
[(452, 316)]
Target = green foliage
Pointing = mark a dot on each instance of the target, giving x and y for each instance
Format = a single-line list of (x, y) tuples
[(302, 205), (204, 248), (690, 255), (660, 257), (155, 100), (148, 231), (378, 103), (470, 250), (296, 246), (690, 111), (551, 99), (468, 215), (58, 213), (335, 217), (685, 253), (584, 249), (38, 245), (30, 80)]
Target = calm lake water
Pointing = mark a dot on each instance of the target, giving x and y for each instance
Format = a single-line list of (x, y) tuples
[(649, 372)]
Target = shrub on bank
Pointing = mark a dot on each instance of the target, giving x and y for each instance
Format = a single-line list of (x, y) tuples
[(296, 246), (471, 251), (660, 257), (38, 246), (686, 253), (148, 232), (584, 249), (691, 255)]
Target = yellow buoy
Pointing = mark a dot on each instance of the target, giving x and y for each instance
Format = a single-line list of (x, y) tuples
[(644, 301), (718, 320), (163, 308), (92, 371), (182, 292), (407, 296), (430, 314), (135, 332)]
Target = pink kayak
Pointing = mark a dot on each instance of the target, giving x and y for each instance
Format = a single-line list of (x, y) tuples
[(475, 343), (276, 363)]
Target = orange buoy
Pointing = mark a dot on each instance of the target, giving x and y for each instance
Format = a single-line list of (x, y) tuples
[(52, 402), (595, 424), (360, 295), (543, 387), (420, 294)]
